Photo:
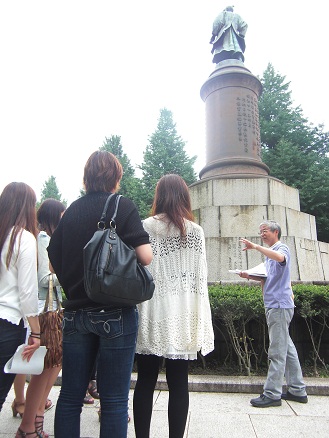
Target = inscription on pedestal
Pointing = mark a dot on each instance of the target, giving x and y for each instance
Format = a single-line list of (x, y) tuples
[(248, 123), (235, 254)]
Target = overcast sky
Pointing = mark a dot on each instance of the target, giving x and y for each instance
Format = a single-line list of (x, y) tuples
[(74, 72)]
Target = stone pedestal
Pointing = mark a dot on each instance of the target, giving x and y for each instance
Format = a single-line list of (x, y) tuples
[(232, 124), (235, 193), (231, 208)]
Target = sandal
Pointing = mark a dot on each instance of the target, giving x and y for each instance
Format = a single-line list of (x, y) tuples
[(48, 404), (18, 408), (99, 415), (21, 434), (39, 427), (88, 400), (92, 389)]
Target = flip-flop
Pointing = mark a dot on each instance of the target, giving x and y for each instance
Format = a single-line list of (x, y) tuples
[(92, 389), (48, 404), (88, 400), (99, 416)]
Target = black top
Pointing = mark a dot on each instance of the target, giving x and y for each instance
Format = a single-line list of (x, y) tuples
[(76, 228)]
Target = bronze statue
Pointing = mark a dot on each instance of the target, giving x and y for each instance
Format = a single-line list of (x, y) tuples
[(228, 35)]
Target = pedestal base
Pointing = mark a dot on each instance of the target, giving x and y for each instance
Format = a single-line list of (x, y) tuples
[(231, 208)]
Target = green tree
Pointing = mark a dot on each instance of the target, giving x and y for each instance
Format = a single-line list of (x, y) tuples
[(50, 190), (279, 119), (130, 185), (287, 163), (165, 154), (294, 149), (314, 196)]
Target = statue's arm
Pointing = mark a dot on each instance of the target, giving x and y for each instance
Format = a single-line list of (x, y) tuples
[(217, 26), (243, 26)]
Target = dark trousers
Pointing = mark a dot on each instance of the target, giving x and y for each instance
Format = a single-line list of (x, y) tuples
[(11, 336), (177, 380)]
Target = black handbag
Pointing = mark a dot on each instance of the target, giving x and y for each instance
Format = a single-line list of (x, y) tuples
[(112, 273)]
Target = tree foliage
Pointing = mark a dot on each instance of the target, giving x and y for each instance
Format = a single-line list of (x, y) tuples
[(295, 150), (50, 190), (314, 196), (165, 154)]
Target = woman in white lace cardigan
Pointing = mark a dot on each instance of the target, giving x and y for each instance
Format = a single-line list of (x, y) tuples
[(176, 323)]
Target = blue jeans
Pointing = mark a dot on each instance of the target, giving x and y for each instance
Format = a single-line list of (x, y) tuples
[(12, 336), (283, 356), (110, 334)]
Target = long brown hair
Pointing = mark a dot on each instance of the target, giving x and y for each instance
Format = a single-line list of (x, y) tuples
[(172, 197), (102, 173), (17, 211), (49, 214)]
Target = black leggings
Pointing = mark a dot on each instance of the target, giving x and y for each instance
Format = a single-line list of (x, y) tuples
[(177, 380), (12, 336)]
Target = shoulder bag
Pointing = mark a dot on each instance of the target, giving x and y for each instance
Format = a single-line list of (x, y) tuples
[(112, 273), (51, 328)]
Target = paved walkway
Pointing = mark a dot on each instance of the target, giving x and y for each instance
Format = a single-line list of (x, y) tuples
[(213, 414)]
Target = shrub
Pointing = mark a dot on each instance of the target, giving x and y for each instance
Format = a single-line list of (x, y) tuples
[(312, 304), (235, 306), (238, 314)]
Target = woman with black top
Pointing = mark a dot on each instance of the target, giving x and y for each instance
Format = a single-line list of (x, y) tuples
[(90, 329)]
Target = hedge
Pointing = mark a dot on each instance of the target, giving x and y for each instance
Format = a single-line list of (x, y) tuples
[(241, 331)]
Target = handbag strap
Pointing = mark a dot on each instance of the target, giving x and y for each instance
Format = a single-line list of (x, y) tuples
[(49, 299), (112, 223), (59, 304), (101, 222)]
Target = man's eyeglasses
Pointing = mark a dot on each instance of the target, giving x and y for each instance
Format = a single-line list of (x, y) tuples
[(263, 232)]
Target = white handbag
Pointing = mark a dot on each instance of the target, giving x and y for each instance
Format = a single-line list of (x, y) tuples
[(16, 364)]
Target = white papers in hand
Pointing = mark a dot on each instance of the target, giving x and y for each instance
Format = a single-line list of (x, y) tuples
[(257, 271), (16, 365)]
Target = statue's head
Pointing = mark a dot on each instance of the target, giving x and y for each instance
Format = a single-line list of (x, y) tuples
[(229, 8)]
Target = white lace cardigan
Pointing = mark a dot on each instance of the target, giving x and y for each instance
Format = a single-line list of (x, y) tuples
[(176, 323)]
